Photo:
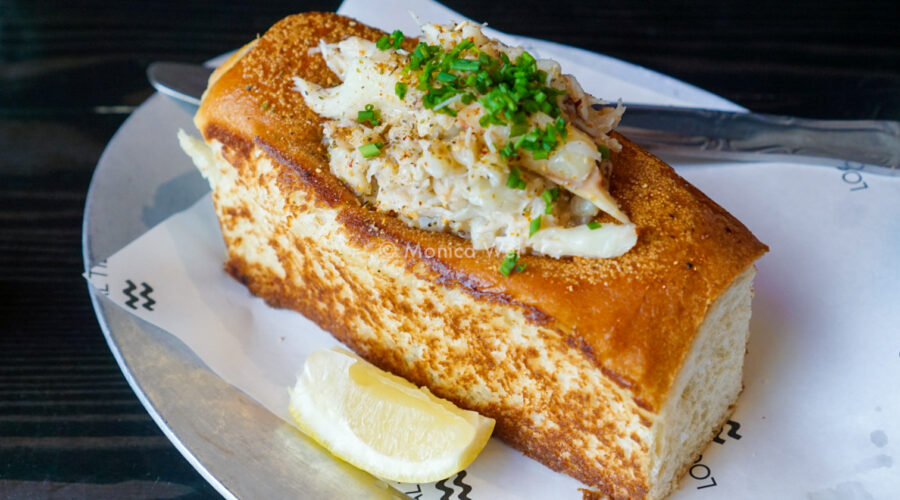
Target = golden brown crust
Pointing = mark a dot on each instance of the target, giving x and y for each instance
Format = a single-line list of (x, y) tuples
[(634, 316)]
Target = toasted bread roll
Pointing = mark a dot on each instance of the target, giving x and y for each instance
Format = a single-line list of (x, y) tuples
[(615, 371)]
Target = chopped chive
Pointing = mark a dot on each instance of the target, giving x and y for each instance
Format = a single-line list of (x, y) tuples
[(421, 52), (535, 226), (509, 263), (397, 37), (540, 154), (443, 76), (517, 129), (460, 47), (561, 127), (370, 114), (465, 65), (371, 149), (447, 110), (383, 43), (508, 90), (549, 196), (594, 225), (515, 180), (604, 151), (400, 89)]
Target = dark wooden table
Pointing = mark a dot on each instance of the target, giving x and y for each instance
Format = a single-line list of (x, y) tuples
[(71, 72)]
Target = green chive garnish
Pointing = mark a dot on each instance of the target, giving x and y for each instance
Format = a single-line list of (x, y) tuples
[(397, 38), (508, 151), (518, 129), (604, 151), (465, 65), (443, 76), (508, 90), (535, 226), (395, 41), (594, 225), (509, 263), (561, 127), (549, 196), (515, 180), (370, 114), (371, 149), (400, 89)]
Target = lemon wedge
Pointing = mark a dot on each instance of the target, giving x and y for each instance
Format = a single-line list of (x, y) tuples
[(382, 423)]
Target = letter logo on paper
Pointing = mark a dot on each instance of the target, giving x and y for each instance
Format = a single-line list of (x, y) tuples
[(732, 432)]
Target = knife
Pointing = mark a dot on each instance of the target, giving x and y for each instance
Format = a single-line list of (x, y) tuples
[(870, 145)]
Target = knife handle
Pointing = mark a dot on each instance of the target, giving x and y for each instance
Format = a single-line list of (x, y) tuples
[(871, 145), (874, 143)]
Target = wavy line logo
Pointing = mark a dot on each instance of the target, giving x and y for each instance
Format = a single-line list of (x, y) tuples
[(134, 299), (457, 481), (732, 432)]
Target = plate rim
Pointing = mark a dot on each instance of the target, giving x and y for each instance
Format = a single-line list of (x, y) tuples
[(95, 296)]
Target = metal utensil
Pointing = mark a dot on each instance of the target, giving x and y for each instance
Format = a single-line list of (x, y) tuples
[(756, 137), (183, 82), (872, 145)]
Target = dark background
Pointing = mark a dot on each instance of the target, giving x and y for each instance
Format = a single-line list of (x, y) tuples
[(70, 73)]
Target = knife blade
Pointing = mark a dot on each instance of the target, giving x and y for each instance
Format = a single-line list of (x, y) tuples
[(870, 145)]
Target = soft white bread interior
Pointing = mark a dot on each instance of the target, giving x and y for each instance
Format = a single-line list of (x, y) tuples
[(706, 388)]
